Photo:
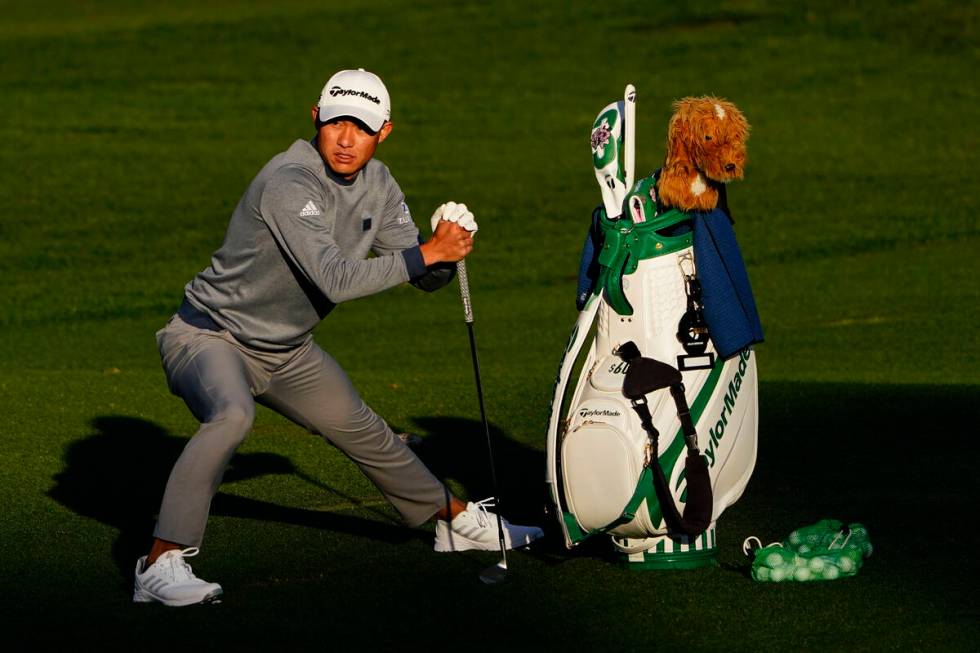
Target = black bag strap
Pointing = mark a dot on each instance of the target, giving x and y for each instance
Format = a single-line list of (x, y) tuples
[(644, 376)]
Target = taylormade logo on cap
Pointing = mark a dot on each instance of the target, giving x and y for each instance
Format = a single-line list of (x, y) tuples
[(336, 90), (355, 93)]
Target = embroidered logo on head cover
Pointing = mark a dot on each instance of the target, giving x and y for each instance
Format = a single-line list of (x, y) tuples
[(600, 137), (336, 90), (310, 209)]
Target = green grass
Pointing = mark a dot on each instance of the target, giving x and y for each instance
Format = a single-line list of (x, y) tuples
[(129, 133)]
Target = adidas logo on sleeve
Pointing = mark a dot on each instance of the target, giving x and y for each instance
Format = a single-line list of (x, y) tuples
[(309, 209)]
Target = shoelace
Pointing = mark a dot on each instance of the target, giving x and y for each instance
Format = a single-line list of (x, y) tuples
[(482, 516), (180, 566)]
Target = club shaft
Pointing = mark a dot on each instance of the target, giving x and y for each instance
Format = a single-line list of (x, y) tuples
[(464, 289), (486, 430), (483, 412), (629, 127)]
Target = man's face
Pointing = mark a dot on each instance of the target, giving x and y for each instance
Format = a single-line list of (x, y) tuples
[(346, 144)]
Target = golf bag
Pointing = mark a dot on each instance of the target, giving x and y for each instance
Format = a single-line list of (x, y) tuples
[(659, 433)]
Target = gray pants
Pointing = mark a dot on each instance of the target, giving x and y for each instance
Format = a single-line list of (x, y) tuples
[(220, 380)]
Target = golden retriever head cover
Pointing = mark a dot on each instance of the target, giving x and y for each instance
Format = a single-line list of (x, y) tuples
[(705, 147)]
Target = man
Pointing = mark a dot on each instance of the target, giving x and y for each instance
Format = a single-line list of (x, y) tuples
[(298, 243)]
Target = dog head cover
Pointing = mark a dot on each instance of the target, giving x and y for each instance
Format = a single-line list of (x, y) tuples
[(705, 147)]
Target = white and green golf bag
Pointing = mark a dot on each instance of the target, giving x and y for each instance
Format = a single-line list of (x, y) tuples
[(658, 434)]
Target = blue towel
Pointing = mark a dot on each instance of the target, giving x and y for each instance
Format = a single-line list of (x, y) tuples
[(588, 268), (729, 306)]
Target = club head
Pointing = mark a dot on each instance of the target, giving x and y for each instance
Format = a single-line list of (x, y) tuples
[(495, 574)]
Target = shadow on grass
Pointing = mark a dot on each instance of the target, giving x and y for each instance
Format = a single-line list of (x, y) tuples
[(117, 476), (900, 459), (455, 449)]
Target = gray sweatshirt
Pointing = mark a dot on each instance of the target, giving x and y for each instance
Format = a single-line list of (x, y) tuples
[(298, 244)]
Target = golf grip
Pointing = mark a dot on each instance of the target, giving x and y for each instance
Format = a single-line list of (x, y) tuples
[(464, 290)]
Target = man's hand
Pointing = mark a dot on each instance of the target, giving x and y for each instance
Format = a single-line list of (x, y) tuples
[(453, 212), (450, 243)]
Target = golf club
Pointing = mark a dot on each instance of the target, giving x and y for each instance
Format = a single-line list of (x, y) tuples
[(498, 572)]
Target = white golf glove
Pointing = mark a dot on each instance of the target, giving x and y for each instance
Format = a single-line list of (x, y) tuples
[(458, 213)]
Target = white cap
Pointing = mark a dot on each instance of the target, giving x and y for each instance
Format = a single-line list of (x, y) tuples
[(355, 93)]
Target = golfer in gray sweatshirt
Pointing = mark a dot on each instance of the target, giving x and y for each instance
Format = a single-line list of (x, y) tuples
[(299, 243)]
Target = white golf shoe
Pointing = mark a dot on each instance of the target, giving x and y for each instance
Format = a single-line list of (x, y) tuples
[(170, 581), (476, 528)]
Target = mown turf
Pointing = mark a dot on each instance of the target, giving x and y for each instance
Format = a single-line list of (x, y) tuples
[(129, 133)]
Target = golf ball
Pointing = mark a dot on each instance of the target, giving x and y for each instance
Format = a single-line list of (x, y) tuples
[(779, 574), (830, 572), (802, 573), (762, 573), (774, 560), (846, 565), (795, 538), (817, 564), (804, 548)]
